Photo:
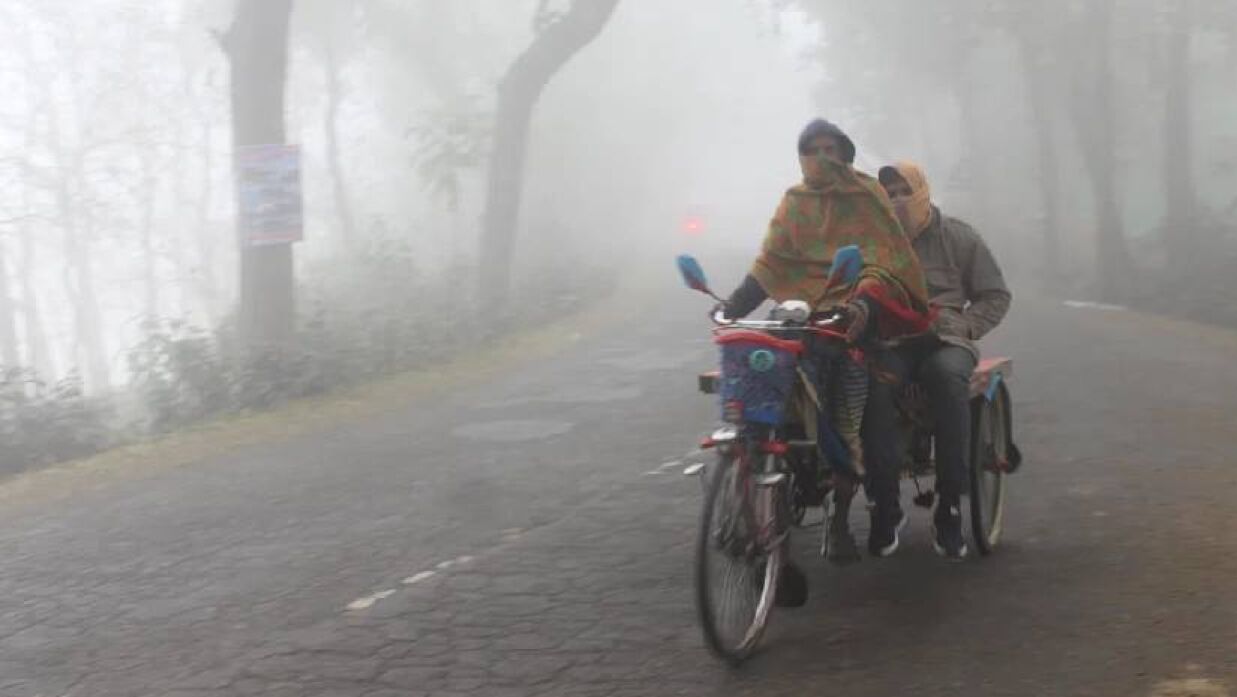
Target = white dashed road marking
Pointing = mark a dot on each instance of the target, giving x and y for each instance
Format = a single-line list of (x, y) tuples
[(1088, 305), (689, 458), (417, 578), (508, 535), (1192, 687), (369, 601), (665, 466)]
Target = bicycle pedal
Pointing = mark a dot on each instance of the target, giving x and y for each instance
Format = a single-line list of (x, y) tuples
[(926, 499)]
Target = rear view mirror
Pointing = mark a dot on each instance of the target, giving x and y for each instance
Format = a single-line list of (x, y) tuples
[(693, 275)]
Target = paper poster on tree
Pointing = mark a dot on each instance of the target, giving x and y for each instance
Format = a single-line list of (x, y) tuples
[(269, 199)]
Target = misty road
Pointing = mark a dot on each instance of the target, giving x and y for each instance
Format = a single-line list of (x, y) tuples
[(533, 536)]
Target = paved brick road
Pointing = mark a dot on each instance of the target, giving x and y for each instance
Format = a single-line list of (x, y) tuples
[(519, 539)]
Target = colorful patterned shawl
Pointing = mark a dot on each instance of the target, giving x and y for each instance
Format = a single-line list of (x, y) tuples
[(838, 206)]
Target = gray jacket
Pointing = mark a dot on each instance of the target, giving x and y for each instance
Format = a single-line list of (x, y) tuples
[(964, 281)]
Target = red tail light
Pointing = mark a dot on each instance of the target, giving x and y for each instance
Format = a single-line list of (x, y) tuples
[(693, 225)]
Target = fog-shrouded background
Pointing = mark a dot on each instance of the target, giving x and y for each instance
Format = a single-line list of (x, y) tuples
[(1093, 143)]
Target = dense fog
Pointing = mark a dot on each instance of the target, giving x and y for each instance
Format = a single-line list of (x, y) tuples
[(468, 167)]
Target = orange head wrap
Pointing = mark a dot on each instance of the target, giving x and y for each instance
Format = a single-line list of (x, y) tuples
[(914, 213)]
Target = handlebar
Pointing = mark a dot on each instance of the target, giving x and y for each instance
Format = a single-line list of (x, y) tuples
[(830, 322)]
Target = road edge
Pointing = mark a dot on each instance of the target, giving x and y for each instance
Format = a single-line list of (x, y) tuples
[(234, 432)]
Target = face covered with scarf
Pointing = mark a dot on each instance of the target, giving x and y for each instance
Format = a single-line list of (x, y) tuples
[(837, 206), (911, 196)]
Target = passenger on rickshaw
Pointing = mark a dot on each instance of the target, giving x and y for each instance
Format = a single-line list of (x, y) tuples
[(837, 206), (967, 289)]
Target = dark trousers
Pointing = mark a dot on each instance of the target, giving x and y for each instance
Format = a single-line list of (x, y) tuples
[(945, 373)]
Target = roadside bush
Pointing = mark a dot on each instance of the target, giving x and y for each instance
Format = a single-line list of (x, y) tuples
[(376, 318), (42, 424)]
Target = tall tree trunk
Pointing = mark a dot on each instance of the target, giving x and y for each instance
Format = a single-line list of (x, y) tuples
[(339, 187), (150, 255), (556, 43), (1039, 82), (207, 273), (80, 287), (67, 189), (1181, 197), (257, 48), (38, 354), (88, 320), (77, 218), (1095, 118), (90, 351), (178, 229), (10, 353), (36, 94), (202, 275)]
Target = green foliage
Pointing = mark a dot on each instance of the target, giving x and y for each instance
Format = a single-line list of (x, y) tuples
[(377, 317), (42, 424), (449, 141), (179, 374)]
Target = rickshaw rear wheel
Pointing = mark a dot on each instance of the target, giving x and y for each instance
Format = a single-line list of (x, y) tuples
[(989, 453)]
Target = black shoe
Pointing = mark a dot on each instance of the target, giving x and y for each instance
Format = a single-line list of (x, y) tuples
[(947, 535), (791, 587), (887, 522)]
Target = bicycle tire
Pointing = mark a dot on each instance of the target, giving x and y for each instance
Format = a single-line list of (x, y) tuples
[(989, 445), (750, 562)]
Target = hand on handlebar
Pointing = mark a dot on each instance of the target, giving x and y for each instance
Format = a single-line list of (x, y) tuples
[(719, 315), (857, 315)]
